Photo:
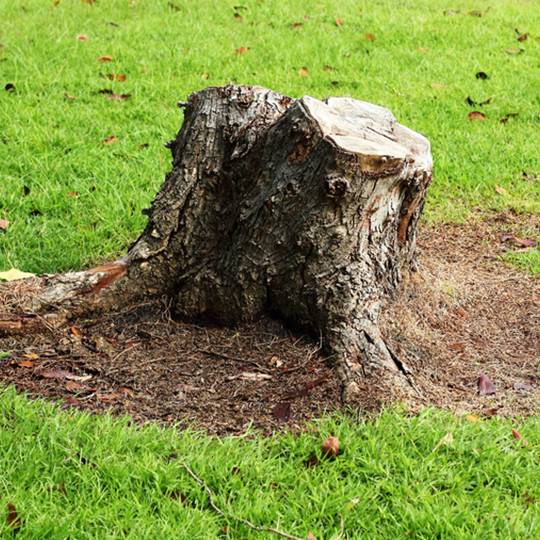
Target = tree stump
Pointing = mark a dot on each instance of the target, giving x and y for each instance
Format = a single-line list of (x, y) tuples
[(304, 209)]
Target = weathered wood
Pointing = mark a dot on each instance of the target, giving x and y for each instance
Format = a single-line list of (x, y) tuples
[(302, 208)]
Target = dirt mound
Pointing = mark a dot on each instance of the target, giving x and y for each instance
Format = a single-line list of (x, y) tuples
[(461, 314)]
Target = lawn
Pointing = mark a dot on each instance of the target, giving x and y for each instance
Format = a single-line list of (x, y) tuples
[(77, 168)]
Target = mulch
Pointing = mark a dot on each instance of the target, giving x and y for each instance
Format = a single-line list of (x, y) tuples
[(463, 313)]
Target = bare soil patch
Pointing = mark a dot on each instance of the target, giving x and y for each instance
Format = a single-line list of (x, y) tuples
[(461, 314)]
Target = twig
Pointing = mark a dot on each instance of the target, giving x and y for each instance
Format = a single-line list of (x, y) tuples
[(245, 522), (233, 359)]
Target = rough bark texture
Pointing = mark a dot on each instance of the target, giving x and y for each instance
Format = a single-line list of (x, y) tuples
[(302, 208)]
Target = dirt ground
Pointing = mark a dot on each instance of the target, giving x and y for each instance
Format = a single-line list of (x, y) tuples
[(461, 314)]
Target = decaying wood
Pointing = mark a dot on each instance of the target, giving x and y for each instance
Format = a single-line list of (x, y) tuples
[(303, 208)]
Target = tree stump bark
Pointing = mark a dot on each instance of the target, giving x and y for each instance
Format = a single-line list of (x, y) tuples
[(301, 208)]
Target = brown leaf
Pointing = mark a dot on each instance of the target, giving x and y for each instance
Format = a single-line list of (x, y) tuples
[(110, 139), (73, 194), (241, 50), (328, 68), (303, 71), (338, 21), (118, 97), (82, 37), (72, 386), (330, 447), (12, 519), (516, 434), (62, 374), (238, 17), (109, 398), (491, 411), (104, 58), (282, 411), (485, 386), (74, 331), (524, 242), (25, 363), (369, 36), (120, 77), (458, 347), (500, 190), (522, 37), (437, 86), (296, 25), (514, 51), (476, 115), (4, 224)]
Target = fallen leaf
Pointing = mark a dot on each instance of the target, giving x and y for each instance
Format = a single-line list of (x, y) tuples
[(10, 87), (330, 447), (241, 50), (296, 25), (476, 115), (82, 37), (522, 387), (4, 224), (110, 139), (62, 374), (282, 411), (303, 71), (12, 519), (328, 68), (238, 17), (500, 190), (104, 58), (118, 97), (74, 331), (276, 361), (437, 86), (31, 356), (69, 96), (472, 418), (369, 36), (482, 75), (422, 50), (524, 242), (120, 77), (516, 434), (338, 21), (310, 536), (72, 386), (458, 347), (514, 51), (73, 194), (491, 411), (25, 363), (485, 386), (521, 37), (205, 76), (13, 274), (109, 398), (447, 440)]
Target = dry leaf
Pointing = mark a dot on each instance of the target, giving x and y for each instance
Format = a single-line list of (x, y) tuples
[(485, 386), (303, 71), (516, 434), (74, 331), (369, 36), (476, 115), (12, 519), (104, 58), (437, 86), (514, 51), (205, 76), (109, 398), (241, 50), (522, 37), (72, 386), (422, 50), (330, 447), (118, 97), (110, 139), (25, 363), (82, 37), (62, 374), (120, 77), (13, 274), (31, 356), (500, 190), (458, 347), (472, 418), (282, 411), (524, 242), (328, 68), (338, 22), (4, 224), (310, 536), (73, 194), (69, 96), (447, 440), (296, 25)]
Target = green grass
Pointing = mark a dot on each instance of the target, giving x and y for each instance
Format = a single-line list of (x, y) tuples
[(73, 201), (71, 475)]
